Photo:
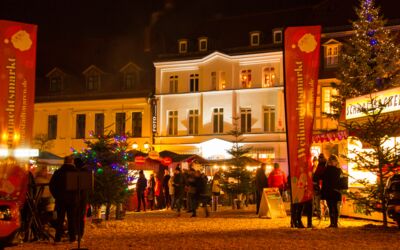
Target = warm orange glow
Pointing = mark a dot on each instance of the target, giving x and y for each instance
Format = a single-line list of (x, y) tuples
[(4, 136)]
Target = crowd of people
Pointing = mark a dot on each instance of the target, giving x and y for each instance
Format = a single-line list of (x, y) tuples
[(183, 190), (187, 190)]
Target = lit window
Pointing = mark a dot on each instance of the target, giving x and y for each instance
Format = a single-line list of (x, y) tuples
[(182, 46), (194, 83), (277, 36), (80, 126), (255, 38), (172, 122), (203, 44), (173, 84), (218, 120), (327, 98), (331, 55), (245, 77), (193, 122), (213, 80), (269, 77), (245, 120), (269, 119), (222, 80)]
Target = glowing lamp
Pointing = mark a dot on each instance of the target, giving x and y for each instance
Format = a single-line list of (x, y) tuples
[(26, 152), (135, 146)]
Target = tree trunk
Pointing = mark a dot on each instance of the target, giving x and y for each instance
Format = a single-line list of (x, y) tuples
[(381, 188), (108, 210)]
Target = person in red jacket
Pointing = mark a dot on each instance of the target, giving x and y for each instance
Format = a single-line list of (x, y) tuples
[(277, 178)]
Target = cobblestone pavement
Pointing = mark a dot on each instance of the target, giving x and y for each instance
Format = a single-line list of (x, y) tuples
[(226, 229)]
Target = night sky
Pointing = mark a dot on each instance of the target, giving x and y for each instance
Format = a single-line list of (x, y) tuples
[(71, 27)]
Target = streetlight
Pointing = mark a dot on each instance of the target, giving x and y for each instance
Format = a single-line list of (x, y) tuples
[(146, 146)]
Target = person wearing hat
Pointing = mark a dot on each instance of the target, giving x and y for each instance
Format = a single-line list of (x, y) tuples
[(178, 189), (141, 186)]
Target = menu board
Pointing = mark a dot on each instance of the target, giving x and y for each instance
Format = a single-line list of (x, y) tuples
[(271, 205)]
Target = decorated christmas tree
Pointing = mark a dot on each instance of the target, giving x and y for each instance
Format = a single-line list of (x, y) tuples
[(370, 61), (106, 156), (369, 64), (238, 178)]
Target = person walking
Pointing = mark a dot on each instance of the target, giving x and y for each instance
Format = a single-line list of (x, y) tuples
[(216, 190), (165, 187), (261, 183), (141, 186), (65, 199), (277, 178), (157, 193), (330, 190), (191, 189), (178, 189)]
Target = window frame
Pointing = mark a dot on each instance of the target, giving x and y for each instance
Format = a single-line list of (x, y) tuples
[(272, 76), (253, 36), (331, 56), (80, 126), (245, 120), (193, 121), (99, 124), (245, 78), (218, 120), (173, 84), (269, 118), (194, 83), (120, 123), (183, 46), (172, 125), (326, 107), (276, 34), (52, 121), (203, 41), (137, 124)]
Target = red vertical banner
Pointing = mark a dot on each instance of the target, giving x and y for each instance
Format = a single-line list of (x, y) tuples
[(301, 79), (17, 82)]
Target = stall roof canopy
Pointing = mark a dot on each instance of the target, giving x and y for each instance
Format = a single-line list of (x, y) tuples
[(183, 157), (49, 158), (246, 159)]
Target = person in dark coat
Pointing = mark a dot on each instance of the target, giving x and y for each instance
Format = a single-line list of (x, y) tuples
[(150, 191), (261, 183), (141, 186), (165, 188), (179, 191), (316, 177), (66, 200), (83, 197), (330, 190)]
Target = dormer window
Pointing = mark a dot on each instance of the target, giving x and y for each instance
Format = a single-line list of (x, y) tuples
[(255, 38), (331, 53), (55, 84), (203, 44), (277, 36), (93, 82), (129, 81), (183, 44)]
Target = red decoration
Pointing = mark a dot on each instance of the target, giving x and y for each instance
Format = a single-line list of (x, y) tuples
[(166, 161), (140, 159)]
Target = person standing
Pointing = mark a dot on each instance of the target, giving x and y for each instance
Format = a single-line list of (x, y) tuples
[(141, 185), (330, 190), (171, 190), (165, 188), (157, 193), (83, 198), (216, 190), (178, 189), (277, 178), (150, 191), (261, 183), (66, 200)]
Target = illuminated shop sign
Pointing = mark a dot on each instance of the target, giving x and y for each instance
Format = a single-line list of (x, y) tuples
[(391, 97)]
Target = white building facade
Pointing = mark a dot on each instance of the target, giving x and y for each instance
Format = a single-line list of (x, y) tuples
[(198, 101)]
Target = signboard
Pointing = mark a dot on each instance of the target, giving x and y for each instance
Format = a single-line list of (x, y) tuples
[(390, 96), (154, 116), (140, 159), (166, 161), (17, 82), (301, 77), (154, 155), (271, 205)]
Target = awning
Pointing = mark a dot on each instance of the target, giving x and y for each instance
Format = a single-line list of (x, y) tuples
[(330, 136), (49, 158)]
